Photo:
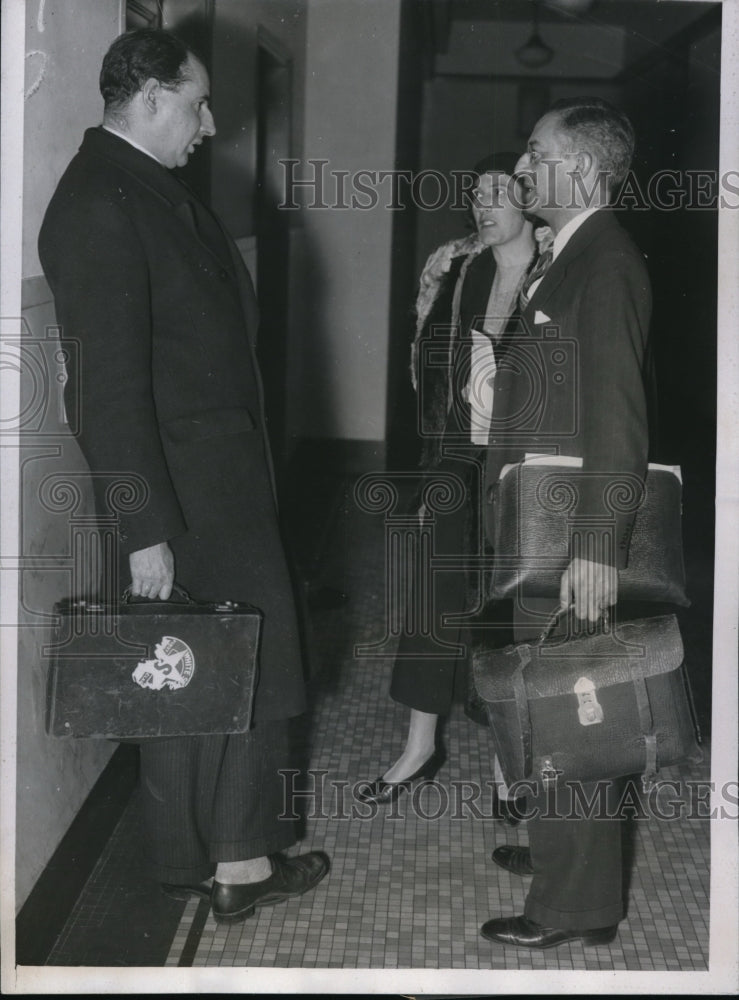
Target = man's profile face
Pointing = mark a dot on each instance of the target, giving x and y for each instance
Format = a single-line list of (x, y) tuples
[(546, 168), (182, 117)]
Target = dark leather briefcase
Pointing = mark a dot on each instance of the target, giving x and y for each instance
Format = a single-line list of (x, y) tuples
[(151, 669), (594, 707), (532, 504)]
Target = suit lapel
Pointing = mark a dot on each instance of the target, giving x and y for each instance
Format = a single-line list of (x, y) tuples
[(575, 246)]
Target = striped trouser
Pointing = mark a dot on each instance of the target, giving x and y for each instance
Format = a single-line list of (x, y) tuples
[(214, 798)]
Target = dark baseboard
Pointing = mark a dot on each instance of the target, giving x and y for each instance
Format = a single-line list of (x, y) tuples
[(45, 912)]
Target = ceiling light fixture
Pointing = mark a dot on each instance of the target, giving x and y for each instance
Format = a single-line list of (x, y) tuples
[(570, 6), (534, 53)]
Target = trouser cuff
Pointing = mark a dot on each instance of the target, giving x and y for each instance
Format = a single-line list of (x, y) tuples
[(255, 847), (573, 920)]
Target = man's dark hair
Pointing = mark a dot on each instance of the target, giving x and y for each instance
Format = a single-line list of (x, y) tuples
[(138, 56), (597, 127)]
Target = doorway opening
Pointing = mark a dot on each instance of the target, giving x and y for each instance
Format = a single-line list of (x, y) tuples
[(274, 118)]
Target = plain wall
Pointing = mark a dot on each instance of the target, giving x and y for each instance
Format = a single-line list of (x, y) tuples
[(237, 27), (54, 776), (350, 114), (237, 31), (62, 98)]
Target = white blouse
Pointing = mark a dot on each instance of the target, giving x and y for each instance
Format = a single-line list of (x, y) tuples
[(480, 388)]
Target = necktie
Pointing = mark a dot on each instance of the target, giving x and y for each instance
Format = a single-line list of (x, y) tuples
[(537, 272)]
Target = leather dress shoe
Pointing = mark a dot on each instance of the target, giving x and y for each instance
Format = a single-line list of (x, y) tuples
[(520, 932), (203, 889), (514, 859), (290, 877), (384, 792)]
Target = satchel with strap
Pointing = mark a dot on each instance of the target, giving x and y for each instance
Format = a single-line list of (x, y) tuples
[(598, 706)]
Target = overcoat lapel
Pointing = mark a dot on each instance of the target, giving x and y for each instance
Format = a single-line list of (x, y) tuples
[(158, 179)]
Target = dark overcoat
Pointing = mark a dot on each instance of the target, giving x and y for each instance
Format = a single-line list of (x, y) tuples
[(163, 308)]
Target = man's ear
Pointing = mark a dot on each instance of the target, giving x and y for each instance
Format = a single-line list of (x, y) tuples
[(150, 95), (585, 162)]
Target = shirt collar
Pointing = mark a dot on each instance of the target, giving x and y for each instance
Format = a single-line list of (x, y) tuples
[(137, 145), (566, 232)]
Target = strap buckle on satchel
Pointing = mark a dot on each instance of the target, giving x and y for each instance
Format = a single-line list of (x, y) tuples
[(649, 776), (649, 736), (549, 773), (522, 709)]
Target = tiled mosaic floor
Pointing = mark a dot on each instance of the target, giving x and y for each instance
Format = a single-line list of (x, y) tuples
[(410, 887), (407, 891)]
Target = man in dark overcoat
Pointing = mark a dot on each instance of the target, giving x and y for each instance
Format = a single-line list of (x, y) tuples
[(587, 315), (154, 290)]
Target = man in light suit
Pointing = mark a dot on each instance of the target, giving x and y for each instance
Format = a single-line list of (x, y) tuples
[(594, 296), (147, 281)]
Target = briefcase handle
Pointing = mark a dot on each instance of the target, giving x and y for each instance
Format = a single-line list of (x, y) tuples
[(565, 609), (126, 597)]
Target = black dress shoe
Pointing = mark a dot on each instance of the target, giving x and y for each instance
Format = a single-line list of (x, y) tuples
[(384, 792), (514, 859), (520, 932), (203, 889), (290, 877)]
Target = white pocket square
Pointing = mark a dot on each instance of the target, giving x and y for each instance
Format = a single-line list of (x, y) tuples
[(540, 317)]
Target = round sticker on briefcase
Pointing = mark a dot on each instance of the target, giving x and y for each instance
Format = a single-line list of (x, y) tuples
[(172, 669)]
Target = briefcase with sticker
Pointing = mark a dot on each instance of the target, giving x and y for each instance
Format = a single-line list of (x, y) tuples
[(145, 669)]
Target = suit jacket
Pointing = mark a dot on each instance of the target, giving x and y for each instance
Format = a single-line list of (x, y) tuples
[(571, 380), (156, 294)]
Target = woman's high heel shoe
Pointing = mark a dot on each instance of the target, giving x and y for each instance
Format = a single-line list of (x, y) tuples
[(384, 792)]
